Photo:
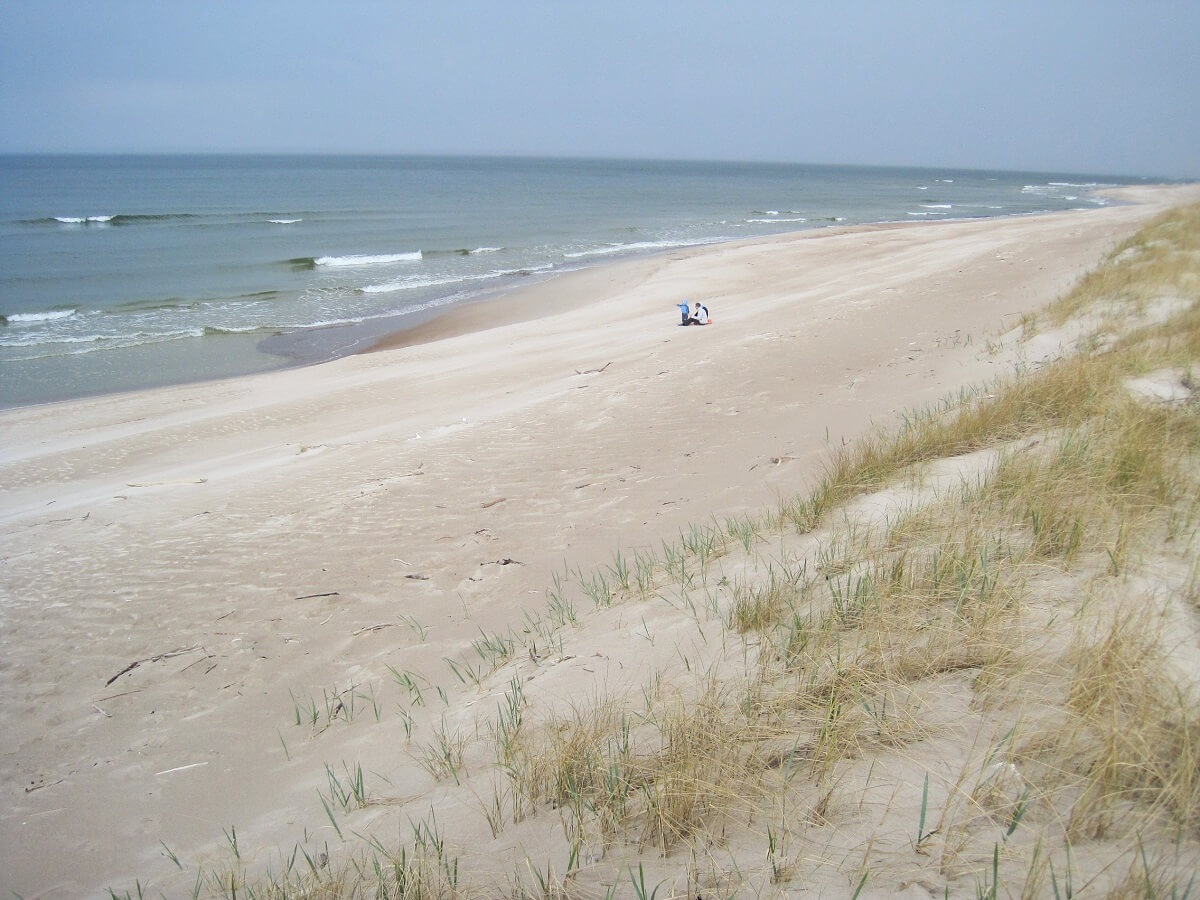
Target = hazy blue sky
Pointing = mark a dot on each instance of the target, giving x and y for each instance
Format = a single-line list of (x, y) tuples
[(1099, 86)]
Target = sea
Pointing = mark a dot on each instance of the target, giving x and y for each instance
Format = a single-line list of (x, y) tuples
[(126, 272)]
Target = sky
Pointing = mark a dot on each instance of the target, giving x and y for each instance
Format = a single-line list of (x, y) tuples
[(1094, 86)]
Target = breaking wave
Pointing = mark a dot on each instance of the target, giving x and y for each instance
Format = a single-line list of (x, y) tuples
[(49, 315), (416, 283), (381, 259), (633, 247), (113, 219)]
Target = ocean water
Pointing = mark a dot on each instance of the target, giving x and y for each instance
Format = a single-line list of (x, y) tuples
[(120, 272)]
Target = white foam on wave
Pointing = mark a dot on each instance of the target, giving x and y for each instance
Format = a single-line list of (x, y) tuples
[(33, 339), (1055, 189), (773, 221), (479, 250), (611, 249), (412, 284), (937, 206), (49, 315), (42, 346), (83, 220), (367, 260), (284, 221)]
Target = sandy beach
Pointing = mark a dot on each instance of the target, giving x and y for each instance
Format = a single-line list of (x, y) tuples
[(211, 592)]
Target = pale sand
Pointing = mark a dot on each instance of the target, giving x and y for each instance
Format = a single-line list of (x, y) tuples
[(240, 539)]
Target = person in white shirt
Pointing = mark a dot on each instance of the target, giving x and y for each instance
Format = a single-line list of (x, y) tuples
[(699, 316)]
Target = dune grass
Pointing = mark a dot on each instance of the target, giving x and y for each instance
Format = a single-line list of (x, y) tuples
[(987, 682)]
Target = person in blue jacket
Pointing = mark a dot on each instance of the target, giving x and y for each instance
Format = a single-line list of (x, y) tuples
[(698, 316)]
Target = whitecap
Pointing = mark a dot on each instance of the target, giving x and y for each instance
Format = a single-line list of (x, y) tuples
[(367, 260), (773, 221), (937, 206), (389, 287), (49, 315), (610, 249), (284, 221), (83, 220), (411, 284)]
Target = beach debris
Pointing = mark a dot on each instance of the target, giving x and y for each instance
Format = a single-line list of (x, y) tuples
[(181, 768), (121, 694), (593, 371), (168, 655), (507, 561), (378, 627), (417, 577), (173, 481), (775, 461), (314, 596), (38, 785), (492, 503)]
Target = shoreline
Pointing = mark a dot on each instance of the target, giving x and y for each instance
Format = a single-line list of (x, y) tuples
[(522, 303), (251, 544), (304, 347)]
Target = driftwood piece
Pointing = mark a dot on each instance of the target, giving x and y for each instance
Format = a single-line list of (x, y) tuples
[(373, 628), (137, 662), (314, 596)]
